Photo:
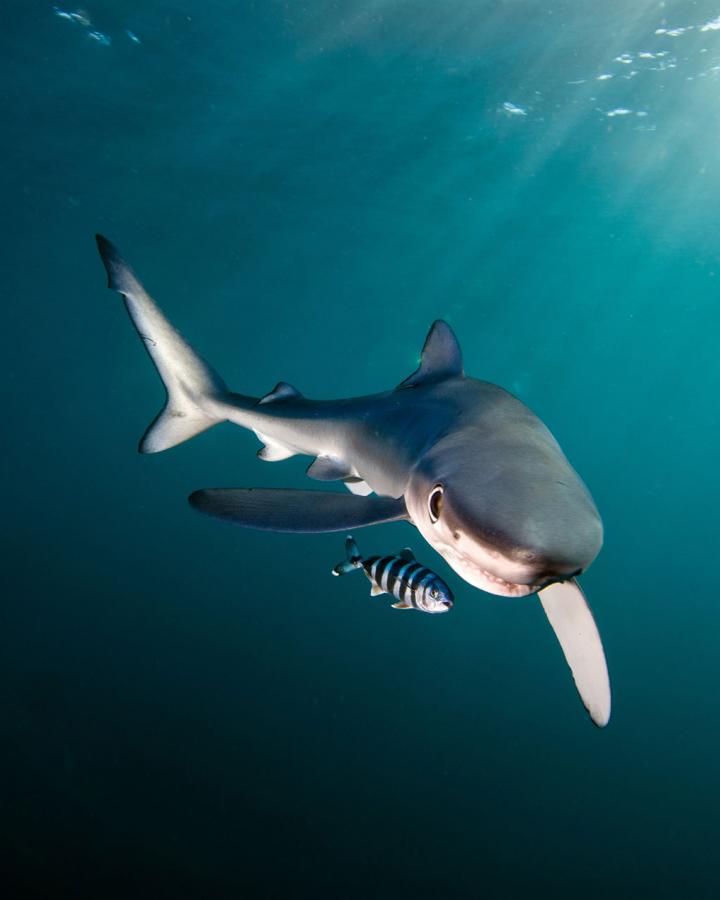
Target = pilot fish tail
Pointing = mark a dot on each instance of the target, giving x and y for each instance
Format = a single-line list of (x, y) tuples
[(353, 561)]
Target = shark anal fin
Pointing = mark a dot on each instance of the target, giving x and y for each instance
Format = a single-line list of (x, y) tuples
[(293, 511), (273, 451), (441, 357), (574, 626), (328, 468)]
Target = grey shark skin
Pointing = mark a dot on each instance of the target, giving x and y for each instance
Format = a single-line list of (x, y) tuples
[(476, 472)]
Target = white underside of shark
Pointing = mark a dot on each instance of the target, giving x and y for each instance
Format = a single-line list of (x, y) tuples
[(470, 466)]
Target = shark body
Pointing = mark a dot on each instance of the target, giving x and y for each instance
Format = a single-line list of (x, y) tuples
[(479, 475)]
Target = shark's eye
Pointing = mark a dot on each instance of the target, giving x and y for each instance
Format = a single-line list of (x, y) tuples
[(435, 501)]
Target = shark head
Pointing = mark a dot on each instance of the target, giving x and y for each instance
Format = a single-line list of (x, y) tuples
[(494, 493), (510, 519)]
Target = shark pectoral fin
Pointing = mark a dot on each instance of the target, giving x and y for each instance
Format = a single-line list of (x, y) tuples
[(401, 605), (375, 590), (328, 468), (296, 511), (572, 621)]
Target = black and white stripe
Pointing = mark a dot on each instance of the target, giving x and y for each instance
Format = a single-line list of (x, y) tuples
[(407, 580), (414, 582), (377, 566)]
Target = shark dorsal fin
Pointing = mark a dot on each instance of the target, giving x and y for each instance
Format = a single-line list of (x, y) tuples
[(281, 391), (441, 357)]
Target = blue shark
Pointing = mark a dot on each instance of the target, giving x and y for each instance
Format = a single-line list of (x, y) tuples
[(464, 461)]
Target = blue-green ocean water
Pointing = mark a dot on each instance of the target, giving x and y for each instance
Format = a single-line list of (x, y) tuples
[(193, 710)]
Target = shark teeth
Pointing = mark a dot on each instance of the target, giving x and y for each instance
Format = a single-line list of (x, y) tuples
[(485, 579)]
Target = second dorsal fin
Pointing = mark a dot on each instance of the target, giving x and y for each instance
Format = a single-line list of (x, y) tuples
[(441, 357), (281, 391)]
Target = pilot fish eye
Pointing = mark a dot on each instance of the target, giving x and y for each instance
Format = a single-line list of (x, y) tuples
[(435, 502)]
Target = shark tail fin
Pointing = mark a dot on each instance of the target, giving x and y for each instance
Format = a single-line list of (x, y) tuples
[(353, 561), (191, 384)]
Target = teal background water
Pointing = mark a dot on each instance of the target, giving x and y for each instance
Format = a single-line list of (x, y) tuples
[(194, 710)]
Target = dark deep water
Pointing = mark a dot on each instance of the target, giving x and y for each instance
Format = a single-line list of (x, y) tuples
[(192, 710)]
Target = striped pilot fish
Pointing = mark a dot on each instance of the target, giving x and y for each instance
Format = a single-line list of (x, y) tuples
[(413, 585)]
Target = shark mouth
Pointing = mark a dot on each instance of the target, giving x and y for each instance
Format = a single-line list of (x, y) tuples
[(484, 578)]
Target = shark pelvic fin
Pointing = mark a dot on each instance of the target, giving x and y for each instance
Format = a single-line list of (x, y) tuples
[(293, 511), (441, 357), (328, 468), (358, 487)]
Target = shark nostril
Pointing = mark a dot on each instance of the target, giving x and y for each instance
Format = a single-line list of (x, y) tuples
[(456, 535), (527, 556)]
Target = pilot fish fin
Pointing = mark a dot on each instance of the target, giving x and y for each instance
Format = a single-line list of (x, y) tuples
[(401, 605), (328, 468), (294, 511), (406, 553), (191, 385), (441, 357), (352, 550), (375, 590), (572, 621), (281, 391)]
